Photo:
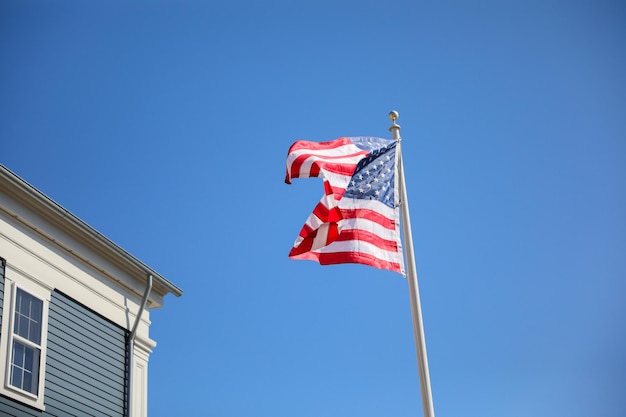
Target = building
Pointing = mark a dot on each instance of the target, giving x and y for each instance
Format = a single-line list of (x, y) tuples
[(74, 313)]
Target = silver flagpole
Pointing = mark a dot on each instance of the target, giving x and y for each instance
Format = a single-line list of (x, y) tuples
[(416, 309)]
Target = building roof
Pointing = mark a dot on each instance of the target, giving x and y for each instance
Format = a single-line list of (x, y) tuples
[(55, 213)]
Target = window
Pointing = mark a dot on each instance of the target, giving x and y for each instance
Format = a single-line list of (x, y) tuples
[(23, 344), (26, 346)]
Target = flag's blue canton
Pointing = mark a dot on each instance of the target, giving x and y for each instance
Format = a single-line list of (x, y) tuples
[(374, 176)]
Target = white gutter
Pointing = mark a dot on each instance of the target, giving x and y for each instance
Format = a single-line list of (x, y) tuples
[(131, 344)]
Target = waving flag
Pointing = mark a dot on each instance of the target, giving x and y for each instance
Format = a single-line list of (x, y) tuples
[(357, 219)]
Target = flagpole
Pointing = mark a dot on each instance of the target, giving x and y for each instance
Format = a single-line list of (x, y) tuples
[(416, 309)]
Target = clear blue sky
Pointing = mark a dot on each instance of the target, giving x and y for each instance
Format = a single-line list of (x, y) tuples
[(165, 125)]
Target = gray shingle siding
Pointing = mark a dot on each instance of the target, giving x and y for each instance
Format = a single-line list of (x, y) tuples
[(85, 364)]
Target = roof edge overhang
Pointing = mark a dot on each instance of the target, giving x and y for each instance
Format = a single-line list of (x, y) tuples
[(78, 226)]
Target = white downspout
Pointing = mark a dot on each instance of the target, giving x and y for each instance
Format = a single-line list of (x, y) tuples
[(131, 345)]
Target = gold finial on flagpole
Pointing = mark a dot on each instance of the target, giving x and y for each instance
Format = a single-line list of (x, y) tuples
[(394, 128)]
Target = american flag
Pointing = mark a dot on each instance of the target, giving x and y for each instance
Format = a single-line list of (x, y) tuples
[(357, 219)]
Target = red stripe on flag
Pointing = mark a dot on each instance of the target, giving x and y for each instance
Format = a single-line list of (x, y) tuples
[(359, 258), (348, 257), (305, 144), (369, 237), (304, 246), (327, 216), (341, 169), (323, 163), (309, 235), (337, 192), (371, 215)]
